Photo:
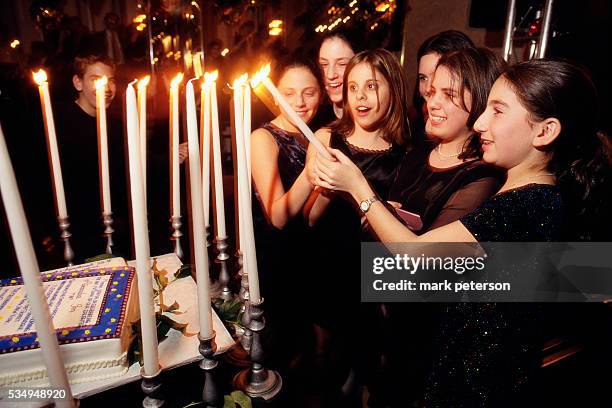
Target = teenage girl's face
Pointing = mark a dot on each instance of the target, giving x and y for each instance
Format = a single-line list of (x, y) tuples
[(334, 56), (301, 90), (369, 96), (427, 66), (447, 119), (506, 134)]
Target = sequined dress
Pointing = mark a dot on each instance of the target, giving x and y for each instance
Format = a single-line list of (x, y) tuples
[(489, 353)]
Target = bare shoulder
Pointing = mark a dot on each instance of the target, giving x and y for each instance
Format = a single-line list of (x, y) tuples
[(262, 138)]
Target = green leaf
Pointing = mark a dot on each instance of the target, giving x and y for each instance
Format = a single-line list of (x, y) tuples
[(183, 272), (171, 323), (241, 399), (100, 257), (228, 402), (163, 326)]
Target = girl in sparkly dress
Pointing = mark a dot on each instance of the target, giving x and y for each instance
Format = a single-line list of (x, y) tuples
[(532, 127)]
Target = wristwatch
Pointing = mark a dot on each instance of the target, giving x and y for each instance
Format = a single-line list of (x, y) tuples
[(365, 205)]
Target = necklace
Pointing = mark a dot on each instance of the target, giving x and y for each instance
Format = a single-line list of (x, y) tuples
[(445, 156)]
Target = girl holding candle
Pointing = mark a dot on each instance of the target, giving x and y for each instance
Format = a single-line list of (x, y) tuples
[(532, 127), (278, 153), (374, 132)]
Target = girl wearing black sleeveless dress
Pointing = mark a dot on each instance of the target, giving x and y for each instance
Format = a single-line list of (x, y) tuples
[(278, 153), (374, 132), (532, 127)]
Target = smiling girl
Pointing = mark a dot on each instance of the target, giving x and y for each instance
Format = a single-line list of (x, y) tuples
[(278, 153), (374, 132), (533, 128)]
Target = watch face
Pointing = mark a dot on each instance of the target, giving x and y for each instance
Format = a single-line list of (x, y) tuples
[(364, 205)]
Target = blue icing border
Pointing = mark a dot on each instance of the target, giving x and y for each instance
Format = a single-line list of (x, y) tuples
[(113, 307)]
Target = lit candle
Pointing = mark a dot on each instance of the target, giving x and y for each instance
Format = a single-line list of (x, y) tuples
[(28, 265), (141, 240), (58, 184), (174, 145), (197, 211), (247, 234), (205, 146), (217, 168), (262, 77), (142, 127), (100, 85)]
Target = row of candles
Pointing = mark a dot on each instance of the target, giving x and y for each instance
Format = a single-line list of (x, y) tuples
[(200, 194)]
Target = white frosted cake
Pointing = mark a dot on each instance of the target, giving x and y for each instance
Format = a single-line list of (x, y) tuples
[(91, 312)]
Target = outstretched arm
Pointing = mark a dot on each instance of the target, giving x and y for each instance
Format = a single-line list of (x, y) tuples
[(280, 206), (319, 199), (344, 175)]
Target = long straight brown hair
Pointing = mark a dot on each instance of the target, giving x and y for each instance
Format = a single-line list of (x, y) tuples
[(394, 126)]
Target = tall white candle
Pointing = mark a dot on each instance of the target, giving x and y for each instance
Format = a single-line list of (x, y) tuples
[(205, 148), (141, 240), (174, 145), (238, 105), (247, 233), (142, 127), (58, 183), (100, 85), (28, 265), (217, 168), (262, 77), (247, 128), (197, 211)]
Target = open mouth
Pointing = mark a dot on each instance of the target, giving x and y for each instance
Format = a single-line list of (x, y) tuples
[(362, 110)]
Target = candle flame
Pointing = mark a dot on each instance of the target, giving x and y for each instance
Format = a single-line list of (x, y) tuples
[(260, 76), (176, 81), (142, 84), (40, 76), (100, 83), (243, 79), (210, 77)]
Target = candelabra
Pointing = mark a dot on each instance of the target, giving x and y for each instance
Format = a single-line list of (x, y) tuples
[(64, 224), (176, 236), (258, 381), (210, 391), (108, 231), (152, 387), (224, 276)]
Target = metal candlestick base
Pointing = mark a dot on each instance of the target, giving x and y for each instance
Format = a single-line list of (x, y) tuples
[(108, 231), (64, 224), (210, 391), (224, 276), (243, 294), (258, 381), (176, 236), (151, 386)]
